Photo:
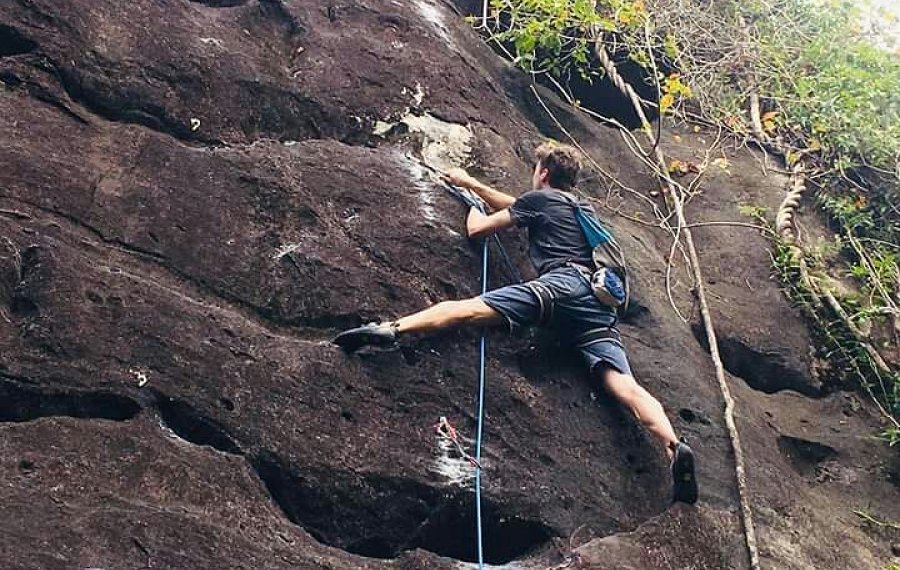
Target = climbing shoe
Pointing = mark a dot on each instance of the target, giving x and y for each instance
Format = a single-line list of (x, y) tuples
[(683, 478), (378, 334)]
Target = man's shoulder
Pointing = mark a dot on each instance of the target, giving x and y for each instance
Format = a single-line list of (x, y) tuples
[(545, 195)]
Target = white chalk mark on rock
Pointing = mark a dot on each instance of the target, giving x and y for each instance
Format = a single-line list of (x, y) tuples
[(140, 375), (455, 470), (212, 42), (434, 16)]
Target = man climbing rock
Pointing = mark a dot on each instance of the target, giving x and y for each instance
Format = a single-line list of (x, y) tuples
[(561, 298)]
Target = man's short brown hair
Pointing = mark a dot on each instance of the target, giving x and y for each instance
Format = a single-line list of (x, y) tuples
[(563, 163)]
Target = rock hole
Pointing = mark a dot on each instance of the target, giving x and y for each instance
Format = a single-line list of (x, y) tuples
[(767, 372), (227, 404), (14, 43), (693, 416), (9, 78), (451, 532), (307, 216), (381, 517), (191, 426), (605, 98), (278, 12), (23, 307), (31, 260), (25, 277), (117, 107), (410, 356), (25, 403), (804, 454), (892, 470)]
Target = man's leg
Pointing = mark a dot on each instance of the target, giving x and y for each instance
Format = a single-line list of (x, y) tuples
[(443, 315), (647, 409), (446, 314)]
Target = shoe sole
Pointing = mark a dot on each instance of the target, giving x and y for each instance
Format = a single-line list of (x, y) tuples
[(685, 487), (353, 340)]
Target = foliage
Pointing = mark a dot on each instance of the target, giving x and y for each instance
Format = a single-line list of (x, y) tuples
[(557, 37), (891, 436), (872, 520), (829, 82), (829, 96), (835, 343), (551, 36)]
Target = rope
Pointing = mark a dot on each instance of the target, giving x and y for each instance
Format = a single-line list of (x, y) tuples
[(444, 428), (678, 204), (481, 384), (785, 219), (468, 198)]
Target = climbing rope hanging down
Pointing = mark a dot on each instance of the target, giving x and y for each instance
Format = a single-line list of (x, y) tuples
[(449, 433), (677, 198), (480, 432), (444, 428)]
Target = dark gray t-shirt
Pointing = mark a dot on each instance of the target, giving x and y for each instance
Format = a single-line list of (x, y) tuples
[(554, 235)]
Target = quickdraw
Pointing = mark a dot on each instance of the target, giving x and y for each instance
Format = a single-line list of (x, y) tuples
[(446, 430)]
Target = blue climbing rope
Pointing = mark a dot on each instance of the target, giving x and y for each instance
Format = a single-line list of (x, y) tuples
[(481, 383), (468, 198), (474, 202)]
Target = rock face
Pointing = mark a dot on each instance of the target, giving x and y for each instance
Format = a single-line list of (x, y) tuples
[(192, 203)]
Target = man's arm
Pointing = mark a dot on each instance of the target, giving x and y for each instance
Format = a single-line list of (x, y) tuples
[(480, 225), (496, 199)]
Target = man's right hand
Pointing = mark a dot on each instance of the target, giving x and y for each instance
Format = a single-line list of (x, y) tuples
[(495, 199), (461, 178)]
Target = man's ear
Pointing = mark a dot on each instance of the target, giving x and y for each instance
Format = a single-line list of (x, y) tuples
[(544, 175)]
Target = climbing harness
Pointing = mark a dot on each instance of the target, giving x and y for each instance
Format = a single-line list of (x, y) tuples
[(601, 334), (546, 300)]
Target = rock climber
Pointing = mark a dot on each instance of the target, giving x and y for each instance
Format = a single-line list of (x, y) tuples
[(560, 298)]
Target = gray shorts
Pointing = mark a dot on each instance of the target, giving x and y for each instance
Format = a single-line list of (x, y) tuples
[(575, 311)]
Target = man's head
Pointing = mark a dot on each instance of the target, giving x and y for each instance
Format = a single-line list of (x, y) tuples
[(557, 166)]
